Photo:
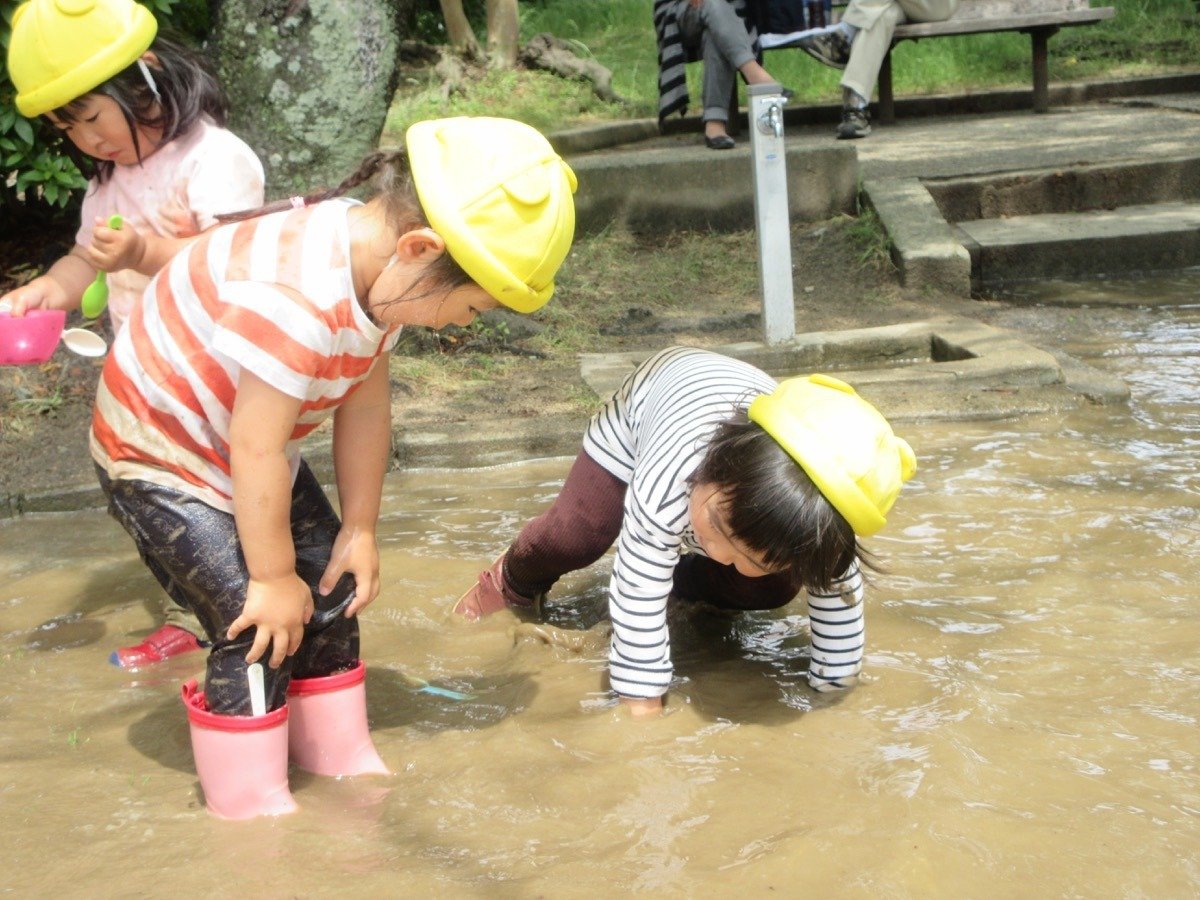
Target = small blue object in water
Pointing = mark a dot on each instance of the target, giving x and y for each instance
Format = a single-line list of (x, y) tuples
[(443, 692)]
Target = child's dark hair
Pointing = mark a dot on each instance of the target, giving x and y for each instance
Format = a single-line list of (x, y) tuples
[(392, 180), (187, 90), (773, 508)]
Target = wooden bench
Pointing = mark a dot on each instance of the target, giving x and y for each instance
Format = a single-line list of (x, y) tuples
[(1040, 19)]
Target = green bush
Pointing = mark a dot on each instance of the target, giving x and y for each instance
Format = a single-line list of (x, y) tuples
[(36, 176)]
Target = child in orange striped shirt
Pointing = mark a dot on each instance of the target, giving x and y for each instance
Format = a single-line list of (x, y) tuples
[(240, 347)]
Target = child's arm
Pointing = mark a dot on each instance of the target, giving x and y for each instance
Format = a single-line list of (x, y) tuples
[(61, 287), (838, 633), (278, 602), (140, 249), (639, 661), (362, 442)]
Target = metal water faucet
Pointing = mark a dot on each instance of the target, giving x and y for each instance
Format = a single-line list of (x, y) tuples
[(771, 212)]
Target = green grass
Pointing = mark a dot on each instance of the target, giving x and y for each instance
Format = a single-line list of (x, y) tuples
[(595, 287), (1145, 37)]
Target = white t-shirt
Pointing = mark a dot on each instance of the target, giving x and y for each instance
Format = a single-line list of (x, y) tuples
[(208, 170)]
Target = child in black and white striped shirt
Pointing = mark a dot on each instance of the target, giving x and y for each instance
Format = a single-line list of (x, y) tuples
[(720, 485)]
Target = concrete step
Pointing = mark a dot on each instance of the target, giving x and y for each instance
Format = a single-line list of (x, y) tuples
[(1139, 238)]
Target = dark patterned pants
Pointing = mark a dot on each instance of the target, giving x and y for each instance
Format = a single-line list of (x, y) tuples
[(194, 552)]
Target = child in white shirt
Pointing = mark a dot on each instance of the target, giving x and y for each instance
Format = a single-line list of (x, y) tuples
[(144, 117)]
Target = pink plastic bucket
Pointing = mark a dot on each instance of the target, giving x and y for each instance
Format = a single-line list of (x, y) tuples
[(30, 338)]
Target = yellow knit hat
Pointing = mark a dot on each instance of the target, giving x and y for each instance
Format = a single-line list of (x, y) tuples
[(500, 197), (842, 442), (60, 50)]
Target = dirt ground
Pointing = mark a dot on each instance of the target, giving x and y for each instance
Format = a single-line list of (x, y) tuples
[(616, 292)]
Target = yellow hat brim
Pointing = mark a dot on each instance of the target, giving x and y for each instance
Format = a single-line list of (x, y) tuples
[(810, 448), (110, 60), (464, 244)]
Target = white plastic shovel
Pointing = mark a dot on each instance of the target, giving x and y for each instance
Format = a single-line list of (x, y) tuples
[(258, 694)]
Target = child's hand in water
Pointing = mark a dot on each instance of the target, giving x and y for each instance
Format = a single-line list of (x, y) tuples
[(643, 707), (113, 249), (278, 609), (356, 552)]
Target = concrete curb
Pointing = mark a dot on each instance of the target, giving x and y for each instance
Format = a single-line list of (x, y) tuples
[(947, 368), (970, 232), (925, 248), (1056, 222), (692, 188), (590, 138)]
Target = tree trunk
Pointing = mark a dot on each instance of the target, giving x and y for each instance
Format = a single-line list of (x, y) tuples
[(309, 82), (458, 30), (503, 33)]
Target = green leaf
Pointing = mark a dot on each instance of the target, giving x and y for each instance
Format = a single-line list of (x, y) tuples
[(24, 130)]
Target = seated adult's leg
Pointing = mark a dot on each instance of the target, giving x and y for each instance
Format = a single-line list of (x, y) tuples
[(727, 50), (871, 41), (870, 45), (928, 10), (719, 50), (864, 13), (876, 21)]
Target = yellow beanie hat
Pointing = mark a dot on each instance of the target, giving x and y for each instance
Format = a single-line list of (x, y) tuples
[(842, 442), (60, 50), (501, 199)]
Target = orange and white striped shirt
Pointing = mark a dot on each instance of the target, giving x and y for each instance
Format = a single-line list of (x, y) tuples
[(273, 296)]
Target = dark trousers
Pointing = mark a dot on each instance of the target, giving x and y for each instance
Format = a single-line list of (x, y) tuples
[(194, 552), (584, 521)]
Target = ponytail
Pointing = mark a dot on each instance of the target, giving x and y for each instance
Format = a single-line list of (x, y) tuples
[(388, 167)]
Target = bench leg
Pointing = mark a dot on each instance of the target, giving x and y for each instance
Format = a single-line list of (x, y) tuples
[(734, 125), (1039, 37), (887, 102)]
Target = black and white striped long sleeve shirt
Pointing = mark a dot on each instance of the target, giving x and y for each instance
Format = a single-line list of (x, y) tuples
[(652, 435)]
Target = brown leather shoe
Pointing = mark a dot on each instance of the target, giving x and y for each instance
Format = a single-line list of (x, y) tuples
[(489, 594)]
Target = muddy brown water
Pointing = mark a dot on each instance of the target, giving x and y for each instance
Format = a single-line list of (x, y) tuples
[(1027, 723)]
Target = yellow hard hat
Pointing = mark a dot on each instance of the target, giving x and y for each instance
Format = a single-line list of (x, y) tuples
[(61, 49), (842, 442), (500, 197)]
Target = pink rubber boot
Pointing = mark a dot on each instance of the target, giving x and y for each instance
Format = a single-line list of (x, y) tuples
[(328, 732), (241, 760)]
